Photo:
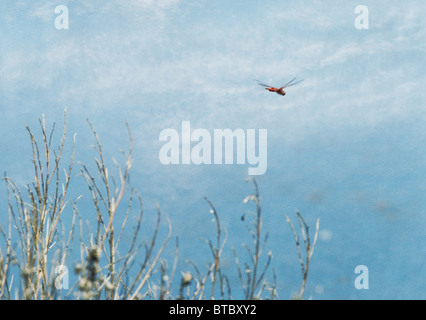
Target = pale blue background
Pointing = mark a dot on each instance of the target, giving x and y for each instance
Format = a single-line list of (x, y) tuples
[(346, 145)]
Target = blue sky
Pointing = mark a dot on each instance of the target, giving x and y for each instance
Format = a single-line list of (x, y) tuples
[(346, 145)]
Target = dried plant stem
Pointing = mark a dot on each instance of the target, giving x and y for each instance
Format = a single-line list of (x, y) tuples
[(218, 249), (36, 219), (112, 265), (110, 197), (309, 248), (252, 284)]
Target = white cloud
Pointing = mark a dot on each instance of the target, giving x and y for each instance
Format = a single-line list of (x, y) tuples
[(108, 66)]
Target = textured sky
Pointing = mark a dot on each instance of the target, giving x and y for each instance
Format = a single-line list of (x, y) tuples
[(346, 145)]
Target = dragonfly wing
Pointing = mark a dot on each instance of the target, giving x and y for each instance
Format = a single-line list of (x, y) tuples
[(262, 84), (288, 83), (292, 84)]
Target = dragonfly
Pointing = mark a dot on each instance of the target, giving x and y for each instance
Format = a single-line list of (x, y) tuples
[(280, 90)]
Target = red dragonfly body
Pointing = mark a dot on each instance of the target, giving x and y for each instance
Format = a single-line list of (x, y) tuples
[(280, 90)]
